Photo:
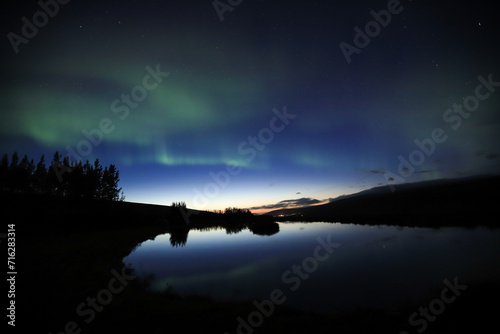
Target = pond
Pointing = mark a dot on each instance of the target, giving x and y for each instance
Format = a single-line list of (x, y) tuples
[(320, 266)]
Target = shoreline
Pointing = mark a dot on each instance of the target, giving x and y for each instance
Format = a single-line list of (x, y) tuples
[(69, 252)]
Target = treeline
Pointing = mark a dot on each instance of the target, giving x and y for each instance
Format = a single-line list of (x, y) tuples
[(233, 212), (61, 178)]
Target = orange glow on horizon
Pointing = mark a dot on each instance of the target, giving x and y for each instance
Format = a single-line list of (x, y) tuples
[(264, 211)]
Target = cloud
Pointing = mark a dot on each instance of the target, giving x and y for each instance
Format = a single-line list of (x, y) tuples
[(383, 172), (299, 202), (487, 155), (373, 171), (425, 171)]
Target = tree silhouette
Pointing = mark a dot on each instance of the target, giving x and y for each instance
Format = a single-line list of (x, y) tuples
[(179, 204), (15, 161), (23, 174), (97, 180), (110, 179), (14, 172), (63, 178), (237, 212), (54, 176), (40, 177), (76, 181), (4, 172)]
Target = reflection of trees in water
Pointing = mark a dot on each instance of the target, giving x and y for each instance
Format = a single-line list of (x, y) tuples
[(264, 228), (234, 229), (178, 238), (208, 228), (179, 234)]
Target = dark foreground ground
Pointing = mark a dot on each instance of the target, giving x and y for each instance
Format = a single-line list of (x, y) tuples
[(69, 255)]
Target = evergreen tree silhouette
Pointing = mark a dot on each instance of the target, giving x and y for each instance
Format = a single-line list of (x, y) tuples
[(77, 181), (54, 177), (29, 175), (63, 178), (97, 180), (4, 171), (88, 191), (15, 161), (40, 177), (13, 180), (110, 179), (22, 176)]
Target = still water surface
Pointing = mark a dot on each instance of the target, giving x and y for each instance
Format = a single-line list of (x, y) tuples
[(374, 266)]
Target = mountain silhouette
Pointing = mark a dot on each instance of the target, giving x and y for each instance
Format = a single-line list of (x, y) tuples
[(449, 202)]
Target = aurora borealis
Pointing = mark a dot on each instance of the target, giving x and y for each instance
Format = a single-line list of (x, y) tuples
[(214, 125)]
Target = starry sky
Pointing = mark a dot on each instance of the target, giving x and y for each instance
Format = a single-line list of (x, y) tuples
[(254, 104)]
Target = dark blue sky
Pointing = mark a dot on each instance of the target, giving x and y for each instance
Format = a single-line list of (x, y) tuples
[(261, 107)]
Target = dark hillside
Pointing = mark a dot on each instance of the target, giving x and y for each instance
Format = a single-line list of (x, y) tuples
[(462, 202)]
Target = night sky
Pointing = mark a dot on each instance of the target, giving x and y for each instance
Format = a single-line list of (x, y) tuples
[(258, 104)]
